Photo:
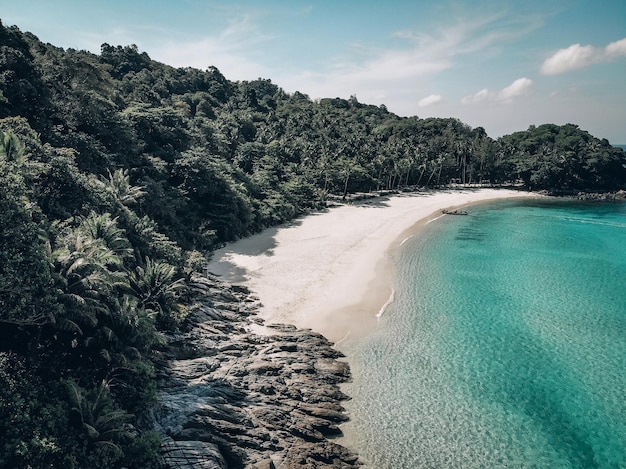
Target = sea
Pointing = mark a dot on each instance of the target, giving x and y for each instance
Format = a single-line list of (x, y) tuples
[(504, 346)]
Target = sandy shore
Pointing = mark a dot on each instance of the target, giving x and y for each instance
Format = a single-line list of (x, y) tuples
[(329, 271)]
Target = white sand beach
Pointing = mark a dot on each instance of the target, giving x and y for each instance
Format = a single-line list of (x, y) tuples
[(330, 271)]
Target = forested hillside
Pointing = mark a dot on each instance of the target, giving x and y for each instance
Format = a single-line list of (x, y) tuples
[(118, 174)]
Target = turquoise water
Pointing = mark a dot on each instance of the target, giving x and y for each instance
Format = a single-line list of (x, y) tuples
[(505, 346)]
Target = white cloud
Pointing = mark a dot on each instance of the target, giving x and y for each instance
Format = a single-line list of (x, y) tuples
[(430, 100), (616, 49), (519, 87), (577, 56), (392, 65), (482, 95)]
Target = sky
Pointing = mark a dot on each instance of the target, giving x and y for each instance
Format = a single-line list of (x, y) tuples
[(503, 65)]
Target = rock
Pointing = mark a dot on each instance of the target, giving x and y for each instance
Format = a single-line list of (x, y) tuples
[(244, 400), (327, 412), (263, 388), (306, 433), (302, 368), (602, 196), (333, 368), (192, 455), (282, 327), (263, 367), (197, 367), (265, 464)]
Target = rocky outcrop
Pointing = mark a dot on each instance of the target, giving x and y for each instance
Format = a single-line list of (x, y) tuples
[(235, 393), (602, 196)]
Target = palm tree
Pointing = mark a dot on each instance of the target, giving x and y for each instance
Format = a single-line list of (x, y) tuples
[(88, 272), (118, 184), (105, 228), (156, 289), (105, 426), (133, 328)]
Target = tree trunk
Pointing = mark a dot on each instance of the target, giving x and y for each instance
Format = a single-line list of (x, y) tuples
[(345, 185), (439, 175), (431, 176)]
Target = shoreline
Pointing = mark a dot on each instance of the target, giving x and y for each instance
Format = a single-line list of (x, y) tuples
[(333, 271)]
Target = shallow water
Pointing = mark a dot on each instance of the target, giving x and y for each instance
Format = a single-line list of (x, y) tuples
[(505, 345)]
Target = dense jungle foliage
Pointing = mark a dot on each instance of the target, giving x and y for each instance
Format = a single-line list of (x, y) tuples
[(118, 174)]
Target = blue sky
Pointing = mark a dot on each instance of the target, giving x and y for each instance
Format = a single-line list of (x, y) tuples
[(503, 65)]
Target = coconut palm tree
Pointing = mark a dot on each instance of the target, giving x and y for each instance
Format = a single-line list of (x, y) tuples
[(118, 184), (104, 425), (105, 228), (88, 272), (156, 289)]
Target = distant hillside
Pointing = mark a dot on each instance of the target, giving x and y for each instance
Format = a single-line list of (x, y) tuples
[(119, 175)]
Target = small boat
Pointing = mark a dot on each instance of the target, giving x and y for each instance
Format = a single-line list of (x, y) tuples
[(453, 212)]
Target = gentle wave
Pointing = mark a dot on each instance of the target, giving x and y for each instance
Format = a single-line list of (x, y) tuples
[(436, 218), (405, 240), (386, 305)]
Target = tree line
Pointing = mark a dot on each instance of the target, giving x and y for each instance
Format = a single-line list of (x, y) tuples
[(118, 174)]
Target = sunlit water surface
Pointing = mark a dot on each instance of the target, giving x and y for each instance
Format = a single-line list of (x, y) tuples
[(505, 345)]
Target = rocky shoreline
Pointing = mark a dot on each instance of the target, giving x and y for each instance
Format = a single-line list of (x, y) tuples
[(602, 196), (608, 196), (234, 393)]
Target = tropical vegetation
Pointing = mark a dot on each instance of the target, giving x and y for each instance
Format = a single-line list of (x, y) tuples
[(119, 175)]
